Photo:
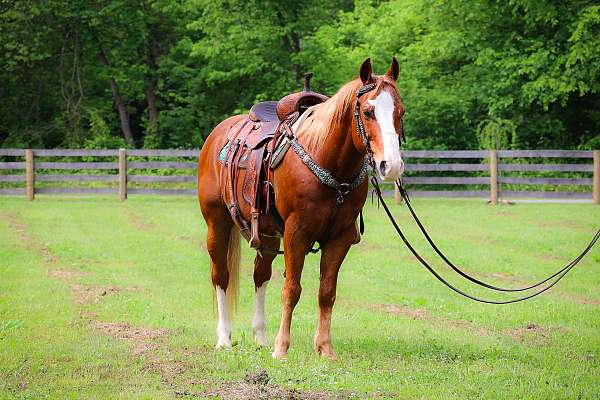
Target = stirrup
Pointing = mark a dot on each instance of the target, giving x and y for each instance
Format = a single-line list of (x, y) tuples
[(254, 239)]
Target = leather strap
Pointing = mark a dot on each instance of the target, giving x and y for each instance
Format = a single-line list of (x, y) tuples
[(557, 276)]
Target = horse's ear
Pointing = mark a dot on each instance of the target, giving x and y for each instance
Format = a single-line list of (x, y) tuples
[(394, 70), (366, 71)]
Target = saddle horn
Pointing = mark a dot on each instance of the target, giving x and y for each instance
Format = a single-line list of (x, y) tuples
[(307, 77)]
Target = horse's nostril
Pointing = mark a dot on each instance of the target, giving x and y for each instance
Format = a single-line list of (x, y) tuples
[(382, 166)]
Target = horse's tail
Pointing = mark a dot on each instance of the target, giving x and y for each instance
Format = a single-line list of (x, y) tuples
[(233, 266)]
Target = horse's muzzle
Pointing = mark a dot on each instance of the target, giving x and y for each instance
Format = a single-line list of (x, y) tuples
[(390, 171)]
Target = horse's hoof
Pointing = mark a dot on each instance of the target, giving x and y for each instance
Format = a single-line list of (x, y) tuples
[(261, 340), (279, 355), (331, 356), (326, 351), (223, 345)]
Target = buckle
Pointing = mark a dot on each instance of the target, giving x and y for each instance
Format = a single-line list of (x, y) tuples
[(343, 191), (344, 188)]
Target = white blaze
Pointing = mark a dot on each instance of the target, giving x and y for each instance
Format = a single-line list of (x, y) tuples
[(223, 326), (384, 113), (258, 322)]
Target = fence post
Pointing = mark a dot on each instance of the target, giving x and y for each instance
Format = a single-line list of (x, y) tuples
[(122, 174), (494, 177), (397, 196), (596, 178), (29, 174)]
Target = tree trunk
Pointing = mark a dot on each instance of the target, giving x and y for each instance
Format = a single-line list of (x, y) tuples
[(123, 114), (151, 83), (121, 107), (297, 67), (152, 107)]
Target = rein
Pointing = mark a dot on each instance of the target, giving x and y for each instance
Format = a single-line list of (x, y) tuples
[(558, 275), (404, 195), (554, 278)]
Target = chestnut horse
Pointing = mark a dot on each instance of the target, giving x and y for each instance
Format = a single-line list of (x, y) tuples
[(310, 211)]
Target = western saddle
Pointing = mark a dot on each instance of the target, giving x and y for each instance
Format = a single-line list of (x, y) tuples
[(256, 144)]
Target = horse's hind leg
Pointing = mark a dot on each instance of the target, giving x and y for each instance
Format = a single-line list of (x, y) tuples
[(262, 274), (219, 245)]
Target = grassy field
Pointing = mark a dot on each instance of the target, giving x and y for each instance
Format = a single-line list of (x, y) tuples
[(101, 299)]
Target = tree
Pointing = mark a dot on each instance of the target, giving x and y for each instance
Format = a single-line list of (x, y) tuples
[(162, 74)]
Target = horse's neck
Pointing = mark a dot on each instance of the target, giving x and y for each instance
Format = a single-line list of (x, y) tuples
[(338, 153)]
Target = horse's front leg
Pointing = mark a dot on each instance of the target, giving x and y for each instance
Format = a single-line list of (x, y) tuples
[(295, 247), (333, 253)]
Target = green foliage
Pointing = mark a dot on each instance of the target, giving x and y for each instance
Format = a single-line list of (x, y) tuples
[(496, 134), (100, 135), (176, 69)]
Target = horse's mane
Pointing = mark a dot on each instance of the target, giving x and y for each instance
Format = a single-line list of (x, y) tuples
[(328, 116)]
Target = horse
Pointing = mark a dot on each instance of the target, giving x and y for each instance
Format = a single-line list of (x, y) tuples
[(364, 118)]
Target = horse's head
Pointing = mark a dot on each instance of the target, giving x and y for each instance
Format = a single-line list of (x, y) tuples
[(381, 111)]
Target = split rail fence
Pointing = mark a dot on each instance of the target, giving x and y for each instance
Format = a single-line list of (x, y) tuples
[(494, 175)]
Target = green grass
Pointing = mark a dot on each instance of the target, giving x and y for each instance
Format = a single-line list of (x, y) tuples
[(398, 332)]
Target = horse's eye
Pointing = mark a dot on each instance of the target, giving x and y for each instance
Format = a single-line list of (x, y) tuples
[(368, 113)]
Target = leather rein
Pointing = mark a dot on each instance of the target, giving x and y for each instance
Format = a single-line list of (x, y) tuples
[(551, 280), (344, 189)]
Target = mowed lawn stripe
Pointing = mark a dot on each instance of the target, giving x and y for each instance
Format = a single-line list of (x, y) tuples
[(53, 352)]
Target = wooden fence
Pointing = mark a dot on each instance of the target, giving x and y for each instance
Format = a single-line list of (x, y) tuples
[(488, 171)]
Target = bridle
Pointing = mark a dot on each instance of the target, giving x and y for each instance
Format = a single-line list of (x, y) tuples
[(553, 279), (360, 126)]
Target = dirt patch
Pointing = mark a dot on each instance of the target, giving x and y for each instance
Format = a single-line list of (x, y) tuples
[(27, 240), (196, 241), (169, 370), (86, 294), (501, 276), (16, 225), (548, 257), (256, 386), (585, 301), (533, 334), (504, 213), (421, 314), (555, 291), (562, 224), (48, 255), (143, 339), (93, 294), (66, 275), (413, 313), (139, 222)]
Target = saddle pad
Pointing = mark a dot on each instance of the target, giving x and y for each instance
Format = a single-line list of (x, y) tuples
[(283, 145), (223, 152), (243, 161)]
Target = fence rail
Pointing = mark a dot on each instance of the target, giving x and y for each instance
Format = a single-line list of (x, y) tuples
[(492, 170)]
